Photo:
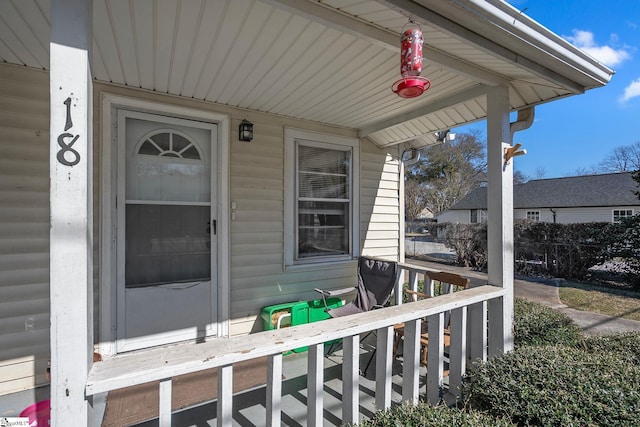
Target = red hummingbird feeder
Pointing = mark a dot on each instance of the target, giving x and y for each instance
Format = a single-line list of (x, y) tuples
[(412, 84)]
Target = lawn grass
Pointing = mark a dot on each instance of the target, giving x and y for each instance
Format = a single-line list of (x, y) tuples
[(599, 299)]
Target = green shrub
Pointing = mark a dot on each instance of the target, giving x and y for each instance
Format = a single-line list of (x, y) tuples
[(626, 245), (469, 241), (536, 324), (561, 250), (569, 250), (424, 415), (625, 346), (559, 385)]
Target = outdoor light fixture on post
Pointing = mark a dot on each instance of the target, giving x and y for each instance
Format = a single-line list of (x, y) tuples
[(245, 131)]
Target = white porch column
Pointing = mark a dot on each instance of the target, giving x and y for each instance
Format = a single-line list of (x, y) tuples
[(500, 220), (71, 236)]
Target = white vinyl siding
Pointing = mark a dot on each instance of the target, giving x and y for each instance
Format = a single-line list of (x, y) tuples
[(257, 277), (575, 215), (379, 201), (258, 274), (24, 228), (256, 179), (461, 216), (558, 215)]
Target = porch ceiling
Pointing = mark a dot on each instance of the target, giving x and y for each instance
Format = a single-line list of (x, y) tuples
[(327, 61)]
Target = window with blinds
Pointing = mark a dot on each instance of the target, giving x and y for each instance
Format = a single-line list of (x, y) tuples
[(323, 200)]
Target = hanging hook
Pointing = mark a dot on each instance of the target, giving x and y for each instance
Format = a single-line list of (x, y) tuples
[(514, 151)]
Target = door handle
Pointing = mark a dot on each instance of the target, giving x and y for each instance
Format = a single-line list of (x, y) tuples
[(213, 224)]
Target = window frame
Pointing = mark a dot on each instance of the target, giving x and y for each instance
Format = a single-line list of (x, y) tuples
[(292, 137), (477, 216), (531, 214), (616, 219)]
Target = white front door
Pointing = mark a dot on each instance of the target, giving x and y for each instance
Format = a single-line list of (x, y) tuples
[(166, 287)]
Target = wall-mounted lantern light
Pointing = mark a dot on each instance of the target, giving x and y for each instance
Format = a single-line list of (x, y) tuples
[(245, 131)]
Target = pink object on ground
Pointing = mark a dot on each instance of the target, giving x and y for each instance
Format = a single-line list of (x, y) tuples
[(39, 413)]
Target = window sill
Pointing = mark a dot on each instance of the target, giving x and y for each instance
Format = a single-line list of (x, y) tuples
[(321, 265)]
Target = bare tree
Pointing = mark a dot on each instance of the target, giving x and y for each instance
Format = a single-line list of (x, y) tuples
[(450, 170), (623, 159), (585, 171), (540, 172), (519, 177), (414, 199)]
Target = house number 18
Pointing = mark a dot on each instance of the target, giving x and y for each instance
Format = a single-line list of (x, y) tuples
[(66, 148)]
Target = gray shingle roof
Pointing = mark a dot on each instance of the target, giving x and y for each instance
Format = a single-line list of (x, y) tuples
[(614, 189)]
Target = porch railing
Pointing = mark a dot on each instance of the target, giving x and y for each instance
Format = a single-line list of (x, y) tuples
[(163, 364)]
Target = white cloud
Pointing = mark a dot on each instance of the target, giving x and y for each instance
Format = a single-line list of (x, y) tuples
[(631, 91), (605, 54)]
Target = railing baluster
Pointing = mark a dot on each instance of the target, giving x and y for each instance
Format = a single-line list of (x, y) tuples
[(397, 290), (164, 404), (274, 390), (384, 367), (225, 396), (477, 332), (435, 357), (457, 350), (411, 361), (315, 383), (496, 344), (428, 286), (350, 379), (413, 280)]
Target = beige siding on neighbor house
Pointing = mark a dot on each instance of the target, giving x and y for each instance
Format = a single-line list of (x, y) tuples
[(456, 217), (599, 214), (561, 216), (576, 215), (24, 228), (545, 214)]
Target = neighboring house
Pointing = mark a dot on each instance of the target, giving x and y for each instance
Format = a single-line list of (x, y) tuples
[(425, 214), (132, 216), (575, 199)]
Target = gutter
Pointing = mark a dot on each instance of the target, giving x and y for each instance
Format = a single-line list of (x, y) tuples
[(512, 21)]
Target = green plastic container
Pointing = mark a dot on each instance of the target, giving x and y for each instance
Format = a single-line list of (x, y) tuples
[(293, 313), (317, 310), (296, 313)]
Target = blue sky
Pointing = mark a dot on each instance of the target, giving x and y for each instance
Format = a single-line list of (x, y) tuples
[(573, 135)]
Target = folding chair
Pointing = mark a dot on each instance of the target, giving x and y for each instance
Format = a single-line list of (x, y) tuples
[(376, 282)]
